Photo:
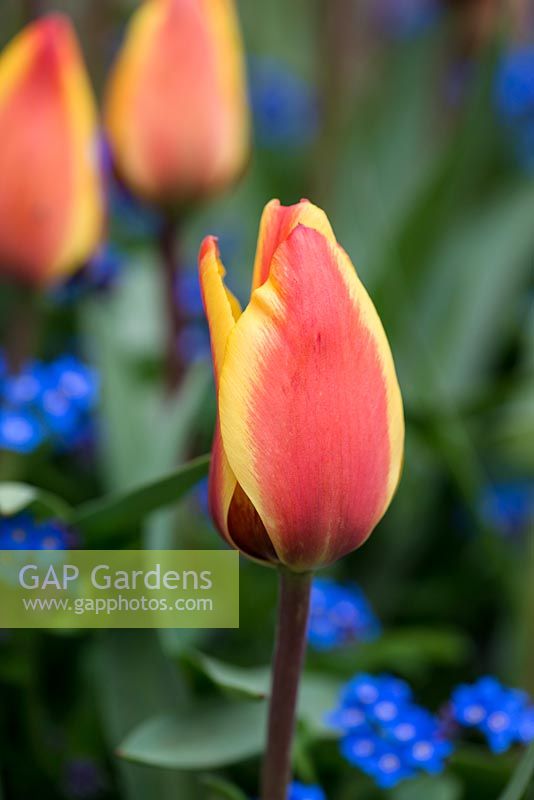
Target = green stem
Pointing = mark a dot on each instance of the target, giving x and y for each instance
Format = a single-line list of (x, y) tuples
[(287, 667), (170, 264)]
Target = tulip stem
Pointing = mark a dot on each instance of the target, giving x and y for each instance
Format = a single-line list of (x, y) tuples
[(33, 9), (288, 659), (174, 366), (22, 329), (339, 49)]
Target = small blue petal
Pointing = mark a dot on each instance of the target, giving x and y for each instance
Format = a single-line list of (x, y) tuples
[(514, 100), (387, 735), (495, 710), (47, 402), (361, 748), (338, 615), (78, 382), (21, 532), (60, 415), (20, 432), (515, 82), (525, 727), (509, 507), (26, 387), (299, 791)]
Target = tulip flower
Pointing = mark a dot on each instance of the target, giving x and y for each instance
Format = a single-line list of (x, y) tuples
[(176, 112), (51, 205), (308, 447)]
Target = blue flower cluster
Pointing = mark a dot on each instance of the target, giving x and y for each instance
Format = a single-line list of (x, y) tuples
[(299, 791), (284, 106), (504, 716), (515, 100), (22, 532), (509, 506), (385, 733), (339, 615), (302, 791), (47, 403)]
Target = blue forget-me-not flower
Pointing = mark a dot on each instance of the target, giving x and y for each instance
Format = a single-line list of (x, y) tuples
[(23, 532), (502, 715), (515, 100), (50, 403), (385, 733), (339, 615)]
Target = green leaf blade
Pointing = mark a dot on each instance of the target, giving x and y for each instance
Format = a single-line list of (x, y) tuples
[(210, 736), (522, 777), (18, 497), (121, 510)]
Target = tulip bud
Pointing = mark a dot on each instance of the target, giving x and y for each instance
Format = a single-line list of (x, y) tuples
[(176, 111), (309, 439), (51, 203)]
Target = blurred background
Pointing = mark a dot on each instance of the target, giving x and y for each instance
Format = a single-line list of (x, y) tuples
[(411, 122)]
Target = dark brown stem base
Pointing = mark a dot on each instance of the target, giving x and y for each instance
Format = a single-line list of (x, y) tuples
[(287, 667), (174, 364)]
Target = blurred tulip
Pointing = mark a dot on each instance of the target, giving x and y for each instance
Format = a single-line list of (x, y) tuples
[(309, 442), (176, 112), (51, 203)]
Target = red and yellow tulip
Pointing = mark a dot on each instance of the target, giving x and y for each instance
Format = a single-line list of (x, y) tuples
[(309, 440), (176, 110), (51, 202)]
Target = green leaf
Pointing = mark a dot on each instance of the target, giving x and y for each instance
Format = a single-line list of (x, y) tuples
[(478, 269), (133, 681), (138, 416), (407, 651), (318, 695), (522, 777), (318, 692), (250, 682), (17, 497), (444, 787), (218, 787), (119, 511), (209, 736)]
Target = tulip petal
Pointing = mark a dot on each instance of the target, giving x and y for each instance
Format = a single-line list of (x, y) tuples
[(88, 203), (221, 486), (51, 207), (176, 111), (222, 308), (310, 408), (233, 151), (229, 505), (276, 224), (222, 311)]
